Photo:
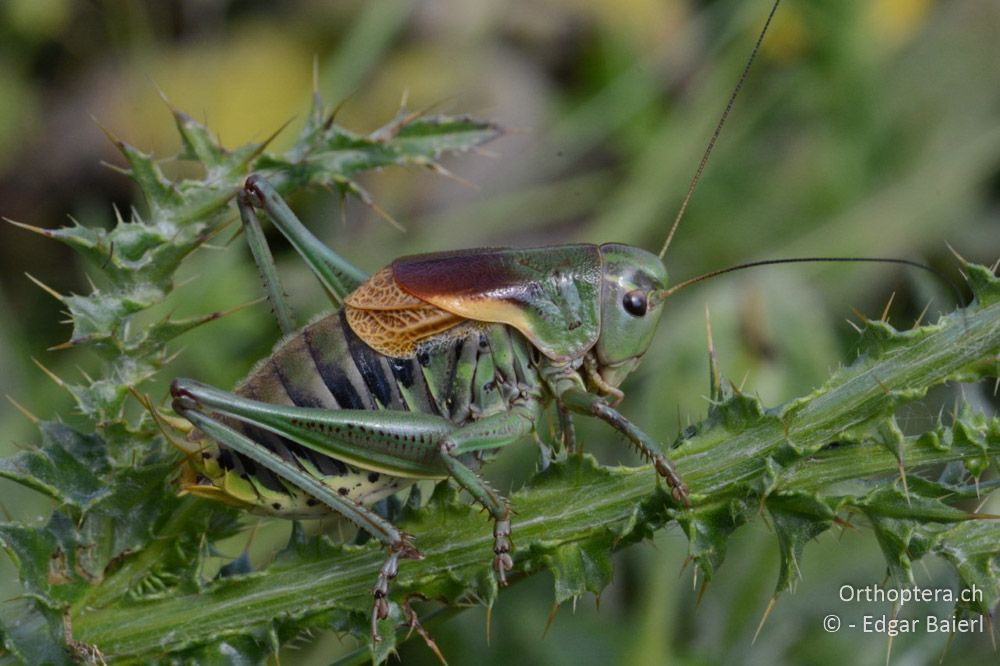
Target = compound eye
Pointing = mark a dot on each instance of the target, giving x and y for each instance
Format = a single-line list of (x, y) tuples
[(635, 302)]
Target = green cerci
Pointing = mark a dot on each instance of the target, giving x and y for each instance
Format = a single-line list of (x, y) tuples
[(431, 363)]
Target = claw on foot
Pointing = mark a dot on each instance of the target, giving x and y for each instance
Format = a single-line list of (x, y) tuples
[(678, 489), (414, 622), (404, 549), (502, 561), (252, 191)]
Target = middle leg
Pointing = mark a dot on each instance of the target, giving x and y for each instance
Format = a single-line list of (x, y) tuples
[(489, 433)]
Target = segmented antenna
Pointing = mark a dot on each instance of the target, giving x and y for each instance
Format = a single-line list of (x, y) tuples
[(718, 130), (666, 293)]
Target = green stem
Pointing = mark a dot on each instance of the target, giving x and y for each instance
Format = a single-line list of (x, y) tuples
[(730, 451)]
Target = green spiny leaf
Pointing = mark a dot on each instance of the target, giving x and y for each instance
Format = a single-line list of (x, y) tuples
[(971, 547), (985, 285), (199, 144), (33, 634), (577, 567), (52, 562), (67, 466), (159, 191), (708, 531), (798, 518)]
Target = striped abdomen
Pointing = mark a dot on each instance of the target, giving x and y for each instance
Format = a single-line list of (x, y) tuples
[(465, 375)]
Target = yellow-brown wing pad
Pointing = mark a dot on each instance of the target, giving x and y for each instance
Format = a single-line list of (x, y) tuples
[(380, 292), (391, 321)]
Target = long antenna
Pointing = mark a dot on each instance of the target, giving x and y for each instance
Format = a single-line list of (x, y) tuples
[(666, 293), (718, 130)]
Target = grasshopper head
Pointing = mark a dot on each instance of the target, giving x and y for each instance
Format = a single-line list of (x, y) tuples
[(634, 280)]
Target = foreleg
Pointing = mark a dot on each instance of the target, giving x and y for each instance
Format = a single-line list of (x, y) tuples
[(583, 402)]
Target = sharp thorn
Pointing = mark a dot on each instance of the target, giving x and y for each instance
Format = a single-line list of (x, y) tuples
[(432, 644), (336, 111), (489, 623), (218, 229), (386, 216), (885, 311), (763, 619), (843, 524), (436, 105), (107, 132), (746, 376), (860, 315), (551, 618), (118, 143), (962, 260), (114, 167), (485, 152), (173, 357), (902, 477), (163, 96), (923, 313), (212, 316), (944, 650), (443, 171), (48, 372), (365, 198), (31, 417), (267, 142), (62, 346), (853, 325), (27, 227), (708, 331), (701, 594), (995, 266), (46, 288), (237, 308), (185, 282), (315, 74)]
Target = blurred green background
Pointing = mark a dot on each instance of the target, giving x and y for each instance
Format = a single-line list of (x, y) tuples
[(867, 127)]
